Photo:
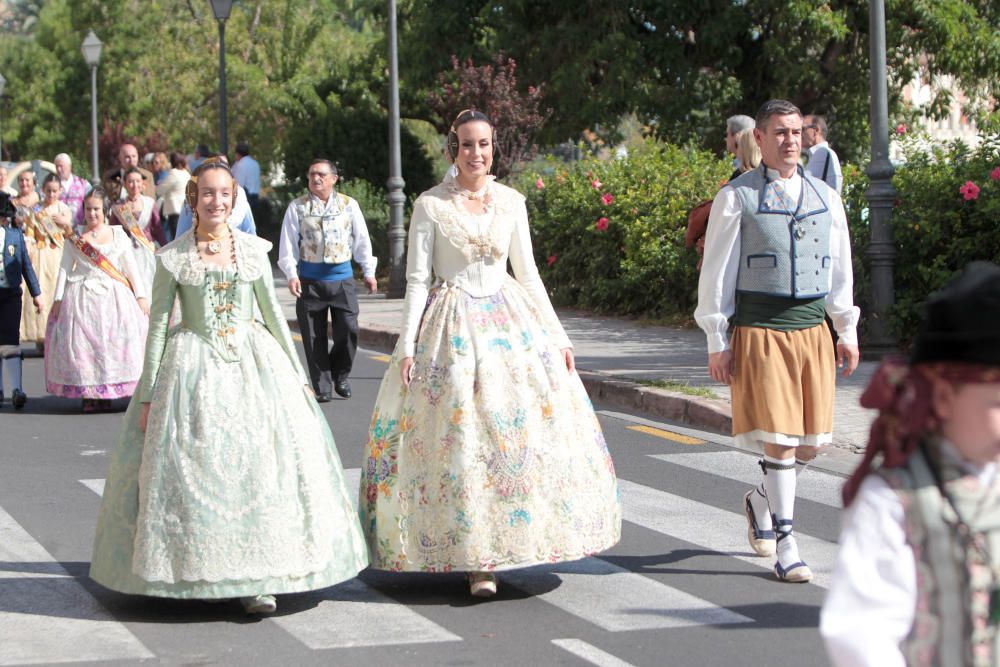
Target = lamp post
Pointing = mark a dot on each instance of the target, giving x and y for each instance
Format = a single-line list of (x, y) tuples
[(91, 49), (880, 194), (397, 269), (221, 9), (3, 84)]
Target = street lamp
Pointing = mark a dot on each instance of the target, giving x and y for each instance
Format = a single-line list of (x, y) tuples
[(221, 9), (91, 49), (397, 269), (881, 194), (3, 84)]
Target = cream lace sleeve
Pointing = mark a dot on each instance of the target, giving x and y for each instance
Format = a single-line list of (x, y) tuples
[(419, 274), (523, 262)]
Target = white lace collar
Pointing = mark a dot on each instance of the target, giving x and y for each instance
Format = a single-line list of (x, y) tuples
[(182, 260), (461, 227)]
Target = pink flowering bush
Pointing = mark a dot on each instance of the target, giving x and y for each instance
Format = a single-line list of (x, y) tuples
[(618, 226), (947, 214)]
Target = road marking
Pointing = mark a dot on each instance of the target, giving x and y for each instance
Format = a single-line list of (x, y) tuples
[(667, 435), (616, 599), (384, 358), (95, 485), (714, 529), (590, 653), (735, 465), (46, 615), (353, 614)]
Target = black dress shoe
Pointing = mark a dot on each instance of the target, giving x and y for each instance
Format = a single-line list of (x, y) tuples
[(18, 399), (1, 399), (323, 398), (343, 388)]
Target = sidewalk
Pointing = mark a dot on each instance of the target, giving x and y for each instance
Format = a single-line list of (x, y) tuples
[(614, 356)]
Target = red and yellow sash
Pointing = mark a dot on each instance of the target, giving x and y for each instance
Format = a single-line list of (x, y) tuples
[(125, 214), (46, 224), (99, 260)]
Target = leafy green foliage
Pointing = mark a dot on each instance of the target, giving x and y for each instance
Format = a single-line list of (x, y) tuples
[(637, 264), (683, 67), (937, 229)]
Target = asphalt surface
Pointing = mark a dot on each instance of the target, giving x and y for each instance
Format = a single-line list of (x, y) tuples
[(681, 588)]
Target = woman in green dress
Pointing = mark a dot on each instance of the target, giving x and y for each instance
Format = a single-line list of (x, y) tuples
[(225, 481)]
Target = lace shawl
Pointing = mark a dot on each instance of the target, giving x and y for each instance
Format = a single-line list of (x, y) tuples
[(444, 207), (182, 260)]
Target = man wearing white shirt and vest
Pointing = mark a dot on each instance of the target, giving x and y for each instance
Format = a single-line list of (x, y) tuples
[(320, 234), (823, 161), (777, 258)]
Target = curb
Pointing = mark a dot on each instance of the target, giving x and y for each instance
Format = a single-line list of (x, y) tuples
[(701, 413)]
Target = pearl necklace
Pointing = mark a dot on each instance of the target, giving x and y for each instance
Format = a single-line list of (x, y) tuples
[(484, 194)]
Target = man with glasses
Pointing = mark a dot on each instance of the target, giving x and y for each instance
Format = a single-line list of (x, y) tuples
[(823, 162), (321, 233)]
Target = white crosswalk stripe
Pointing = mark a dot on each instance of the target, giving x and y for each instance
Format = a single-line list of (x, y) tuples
[(606, 595), (714, 529), (742, 467), (590, 653), (46, 616)]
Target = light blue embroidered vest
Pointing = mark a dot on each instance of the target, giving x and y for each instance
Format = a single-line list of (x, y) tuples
[(784, 245), (324, 238)]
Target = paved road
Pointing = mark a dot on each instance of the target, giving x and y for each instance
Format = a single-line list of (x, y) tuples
[(680, 589)]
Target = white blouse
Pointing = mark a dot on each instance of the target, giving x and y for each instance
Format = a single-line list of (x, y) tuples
[(77, 268), (470, 251)]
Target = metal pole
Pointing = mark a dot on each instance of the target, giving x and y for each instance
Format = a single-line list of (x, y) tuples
[(224, 143), (96, 176), (397, 234), (881, 194)]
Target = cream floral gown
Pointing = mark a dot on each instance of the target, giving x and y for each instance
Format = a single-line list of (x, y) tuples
[(493, 457), (236, 488)]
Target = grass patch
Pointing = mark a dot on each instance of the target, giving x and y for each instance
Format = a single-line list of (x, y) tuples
[(680, 387)]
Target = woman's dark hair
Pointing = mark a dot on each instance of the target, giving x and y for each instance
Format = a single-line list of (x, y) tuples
[(467, 116), (178, 160), (52, 178)]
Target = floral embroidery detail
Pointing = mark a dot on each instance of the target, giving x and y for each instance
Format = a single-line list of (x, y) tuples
[(182, 260), (459, 226)]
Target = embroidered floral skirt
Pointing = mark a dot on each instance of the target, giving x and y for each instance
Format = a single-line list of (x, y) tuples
[(95, 348), (493, 458), (236, 488)]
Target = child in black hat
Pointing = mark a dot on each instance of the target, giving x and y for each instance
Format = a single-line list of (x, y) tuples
[(917, 579)]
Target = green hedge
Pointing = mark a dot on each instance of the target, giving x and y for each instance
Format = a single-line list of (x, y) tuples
[(637, 264), (937, 229)]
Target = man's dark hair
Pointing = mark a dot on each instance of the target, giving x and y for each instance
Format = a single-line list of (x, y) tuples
[(243, 148), (775, 108), (178, 160), (202, 150)]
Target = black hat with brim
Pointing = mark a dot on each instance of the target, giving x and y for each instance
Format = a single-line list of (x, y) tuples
[(962, 320)]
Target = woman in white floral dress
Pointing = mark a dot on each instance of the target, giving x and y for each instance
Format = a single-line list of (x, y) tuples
[(484, 452)]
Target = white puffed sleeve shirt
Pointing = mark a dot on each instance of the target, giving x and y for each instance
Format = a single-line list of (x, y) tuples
[(447, 244)]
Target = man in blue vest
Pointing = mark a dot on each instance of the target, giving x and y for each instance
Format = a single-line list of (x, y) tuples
[(321, 233), (777, 259), (16, 266)]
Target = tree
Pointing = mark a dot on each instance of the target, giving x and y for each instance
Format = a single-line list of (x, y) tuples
[(683, 67), (159, 71), (491, 89)]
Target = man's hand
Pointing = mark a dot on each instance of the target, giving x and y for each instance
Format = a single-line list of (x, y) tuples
[(371, 284), (39, 304), (295, 287), (847, 358), (720, 366)]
